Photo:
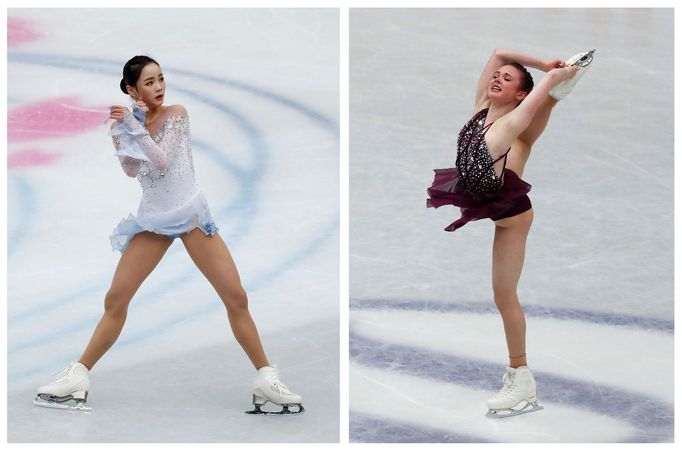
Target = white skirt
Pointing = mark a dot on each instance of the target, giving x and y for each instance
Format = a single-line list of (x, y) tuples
[(171, 223)]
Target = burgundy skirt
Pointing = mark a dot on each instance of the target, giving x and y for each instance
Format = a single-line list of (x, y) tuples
[(510, 200)]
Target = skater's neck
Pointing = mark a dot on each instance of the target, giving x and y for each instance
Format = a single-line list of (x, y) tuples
[(496, 111)]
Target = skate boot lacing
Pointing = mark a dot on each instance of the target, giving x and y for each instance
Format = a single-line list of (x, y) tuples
[(273, 379), (63, 374), (508, 387)]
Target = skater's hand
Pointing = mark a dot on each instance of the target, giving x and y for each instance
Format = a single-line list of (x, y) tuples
[(564, 73), (143, 106), (116, 112), (553, 64)]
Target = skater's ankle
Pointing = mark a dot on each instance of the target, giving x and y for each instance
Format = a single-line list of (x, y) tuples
[(89, 367), (518, 361)]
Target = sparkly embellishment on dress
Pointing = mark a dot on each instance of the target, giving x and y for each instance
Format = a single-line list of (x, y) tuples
[(474, 162), (161, 191), (473, 185), (171, 203)]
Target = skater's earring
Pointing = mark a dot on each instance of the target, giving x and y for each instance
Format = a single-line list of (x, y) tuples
[(132, 94)]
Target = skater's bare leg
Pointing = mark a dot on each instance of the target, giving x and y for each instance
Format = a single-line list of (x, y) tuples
[(138, 260), (509, 248), (213, 259)]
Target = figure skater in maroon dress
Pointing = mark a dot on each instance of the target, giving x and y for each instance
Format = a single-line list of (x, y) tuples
[(510, 114)]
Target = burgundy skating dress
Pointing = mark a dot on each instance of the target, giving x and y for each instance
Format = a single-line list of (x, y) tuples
[(473, 185)]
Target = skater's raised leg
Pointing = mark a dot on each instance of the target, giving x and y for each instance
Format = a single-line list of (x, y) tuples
[(539, 122), (583, 60)]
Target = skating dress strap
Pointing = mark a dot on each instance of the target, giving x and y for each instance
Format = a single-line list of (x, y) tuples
[(474, 162)]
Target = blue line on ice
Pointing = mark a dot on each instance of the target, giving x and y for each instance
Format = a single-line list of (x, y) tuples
[(27, 212), (612, 319), (107, 67), (368, 429), (652, 418), (247, 197)]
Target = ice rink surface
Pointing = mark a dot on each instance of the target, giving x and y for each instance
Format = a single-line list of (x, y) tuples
[(261, 88), (427, 346)]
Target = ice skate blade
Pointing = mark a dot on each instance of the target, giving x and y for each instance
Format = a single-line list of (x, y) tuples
[(64, 405), (506, 413), (285, 410), (584, 60)]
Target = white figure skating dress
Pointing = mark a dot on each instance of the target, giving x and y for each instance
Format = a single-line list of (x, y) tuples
[(172, 203)]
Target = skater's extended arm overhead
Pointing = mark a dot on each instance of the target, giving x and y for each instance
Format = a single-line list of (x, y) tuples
[(512, 124), (499, 58)]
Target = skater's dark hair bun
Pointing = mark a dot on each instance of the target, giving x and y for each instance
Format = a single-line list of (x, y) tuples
[(526, 78), (133, 69)]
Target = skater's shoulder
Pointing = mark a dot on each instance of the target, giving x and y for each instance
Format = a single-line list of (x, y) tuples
[(176, 110)]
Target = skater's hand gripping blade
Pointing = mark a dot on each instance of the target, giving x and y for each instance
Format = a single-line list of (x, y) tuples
[(285, 410), (584, 59), (67, 404), (505, 413)]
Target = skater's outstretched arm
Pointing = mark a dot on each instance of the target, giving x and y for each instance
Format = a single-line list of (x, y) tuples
[(512, 124)]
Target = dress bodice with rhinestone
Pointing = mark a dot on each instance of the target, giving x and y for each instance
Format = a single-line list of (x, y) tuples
[(474, 162), (163, 163)]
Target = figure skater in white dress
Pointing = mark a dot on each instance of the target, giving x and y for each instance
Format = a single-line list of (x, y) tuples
[(153, 143)]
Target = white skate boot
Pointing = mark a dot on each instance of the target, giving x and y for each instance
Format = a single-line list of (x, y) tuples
[(267, 387), (582, 60), (517, 396), (72, 384)]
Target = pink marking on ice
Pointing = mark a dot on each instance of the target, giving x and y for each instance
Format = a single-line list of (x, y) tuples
[(30, 157), (20, 31), (55, 118)]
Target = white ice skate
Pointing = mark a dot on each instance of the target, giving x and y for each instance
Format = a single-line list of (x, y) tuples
[(268, 387), (583, 60), (518, 395), (68, 391)]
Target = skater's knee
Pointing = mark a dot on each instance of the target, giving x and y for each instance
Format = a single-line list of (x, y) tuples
[(236, 301), (507, 301), (116, 303)]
